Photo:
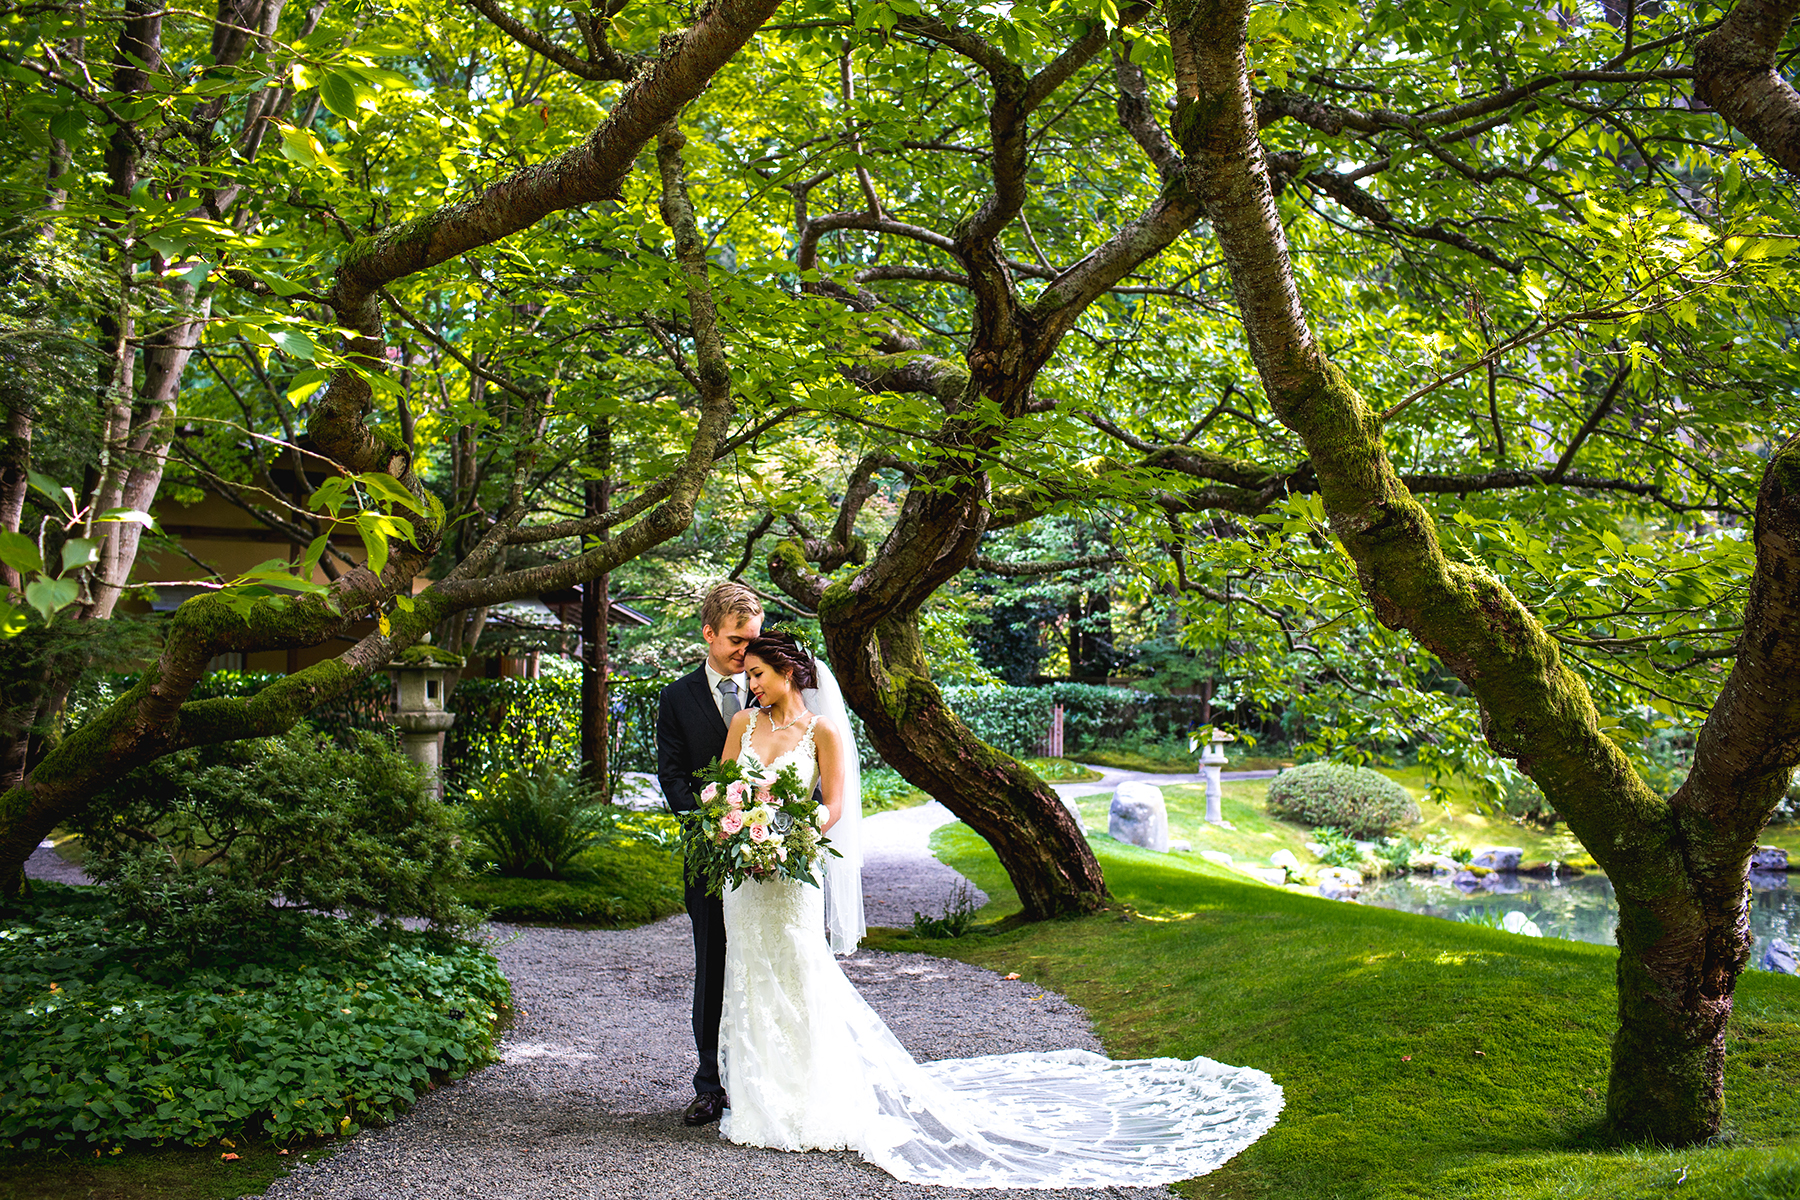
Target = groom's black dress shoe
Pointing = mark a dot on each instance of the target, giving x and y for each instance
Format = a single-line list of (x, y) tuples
[(705, 1109)]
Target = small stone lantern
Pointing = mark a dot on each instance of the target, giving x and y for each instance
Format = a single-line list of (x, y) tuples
[(419, 672), (1212, 761)]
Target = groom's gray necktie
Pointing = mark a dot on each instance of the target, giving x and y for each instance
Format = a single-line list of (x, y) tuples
[(728, 699)]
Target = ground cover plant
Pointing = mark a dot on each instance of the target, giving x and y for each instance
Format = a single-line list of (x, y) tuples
[(1419, 1057), (113, 1039)]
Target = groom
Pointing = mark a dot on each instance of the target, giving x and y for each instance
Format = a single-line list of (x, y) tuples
[(691, 720)]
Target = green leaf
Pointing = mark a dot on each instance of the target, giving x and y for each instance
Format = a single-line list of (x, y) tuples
[(68, 125), (80, 552), (131, 516), (305, 384), (12, 620), (385, 487), (50, 596), (295, 342), (339, 95), (302, 147), (20, 553), (55, 492), (374, 540)]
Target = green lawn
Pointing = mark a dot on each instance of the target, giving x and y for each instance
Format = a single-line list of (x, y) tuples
[(1420, 1057)]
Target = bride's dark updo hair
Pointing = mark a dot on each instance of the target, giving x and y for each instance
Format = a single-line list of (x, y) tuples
[(784, 652)]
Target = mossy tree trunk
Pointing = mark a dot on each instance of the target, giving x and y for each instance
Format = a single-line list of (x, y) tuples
[(1678, 865), (1735, 72), (875, 649), (871, 621)]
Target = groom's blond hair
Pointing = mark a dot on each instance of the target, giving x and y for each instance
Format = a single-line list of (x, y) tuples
[(728, 599)]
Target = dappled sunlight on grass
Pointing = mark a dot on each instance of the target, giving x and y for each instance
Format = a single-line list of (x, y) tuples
[(1420, 1057)]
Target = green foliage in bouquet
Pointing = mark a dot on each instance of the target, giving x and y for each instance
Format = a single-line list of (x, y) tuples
[(751, 828)]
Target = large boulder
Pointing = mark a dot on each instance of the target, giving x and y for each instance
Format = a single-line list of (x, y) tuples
[(1498, 858), (1340, 883), (1778, 956), (1075, 812), (1139, 817), (1433, 864), (1769, 858)]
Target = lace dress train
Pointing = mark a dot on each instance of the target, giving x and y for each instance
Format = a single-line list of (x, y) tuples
[(808, 1065)]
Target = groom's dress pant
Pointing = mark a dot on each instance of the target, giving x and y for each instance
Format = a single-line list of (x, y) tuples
[(708, 915)]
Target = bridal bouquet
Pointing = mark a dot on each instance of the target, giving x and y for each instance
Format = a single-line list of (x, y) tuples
[(748, 828)]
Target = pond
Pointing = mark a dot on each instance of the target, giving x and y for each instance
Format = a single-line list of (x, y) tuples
[(1581, 909)]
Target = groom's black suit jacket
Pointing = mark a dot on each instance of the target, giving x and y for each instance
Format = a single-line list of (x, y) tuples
[(690, 733)]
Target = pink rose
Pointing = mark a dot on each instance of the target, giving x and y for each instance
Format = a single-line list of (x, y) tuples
[(709, 791), (734, 801), (764, 796), (734, 792), (759, 833), (732, 821)]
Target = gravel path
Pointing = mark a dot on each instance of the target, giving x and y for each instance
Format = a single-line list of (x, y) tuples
[(596, 1068), (585, 1101)]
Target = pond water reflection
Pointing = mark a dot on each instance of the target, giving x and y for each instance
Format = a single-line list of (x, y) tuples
[(1581, 909)]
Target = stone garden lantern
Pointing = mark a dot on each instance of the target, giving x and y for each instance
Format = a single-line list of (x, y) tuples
[(419, 673), (1212, 761)]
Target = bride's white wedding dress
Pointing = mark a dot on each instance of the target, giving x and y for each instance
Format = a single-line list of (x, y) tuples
[(808, 1065)]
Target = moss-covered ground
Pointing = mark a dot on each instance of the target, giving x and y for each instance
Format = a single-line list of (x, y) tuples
[(171, 1173), (1420, 1057), (612, 886)]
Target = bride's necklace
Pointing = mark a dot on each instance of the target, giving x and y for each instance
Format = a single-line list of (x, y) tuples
[(779, 725)]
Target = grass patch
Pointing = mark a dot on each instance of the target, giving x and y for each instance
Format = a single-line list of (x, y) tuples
[(170, 1173), (612, 886), (1061, 770), (884, 790), (1420, 1058), (1137, 760), (1785, 836)]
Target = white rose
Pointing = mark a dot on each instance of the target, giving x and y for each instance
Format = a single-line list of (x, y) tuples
[(760, 815), (821, 815)]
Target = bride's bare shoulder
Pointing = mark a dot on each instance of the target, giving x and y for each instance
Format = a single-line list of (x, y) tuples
[(825, 733)]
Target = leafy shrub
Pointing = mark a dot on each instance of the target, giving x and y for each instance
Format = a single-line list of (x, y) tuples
[(504, 723), (626, 883), (1337, 848), (206, 843), (1362, 802), (884, 788), (106, 1037), (958, 915), (533, 822)]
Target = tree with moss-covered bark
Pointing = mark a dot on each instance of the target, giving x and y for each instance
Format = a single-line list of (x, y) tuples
[(178, 231), (1678, 863)]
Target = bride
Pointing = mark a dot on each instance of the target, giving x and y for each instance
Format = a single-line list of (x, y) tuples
[(808, 1065)]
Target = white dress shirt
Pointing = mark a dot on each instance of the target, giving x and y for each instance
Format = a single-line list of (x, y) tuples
[(712, 681)]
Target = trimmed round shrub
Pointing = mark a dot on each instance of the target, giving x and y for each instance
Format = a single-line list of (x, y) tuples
[(1357, 800)]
